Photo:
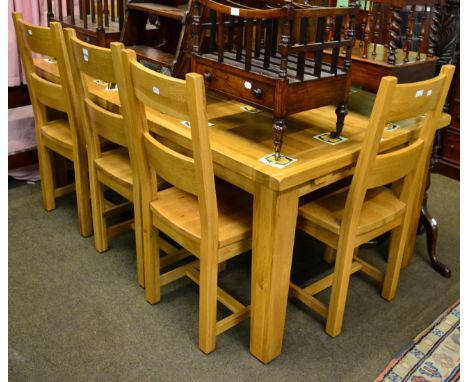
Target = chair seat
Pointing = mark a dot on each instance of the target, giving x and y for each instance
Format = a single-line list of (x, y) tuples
[(58, 135), (181, 209), (381, 206), (115, 171)]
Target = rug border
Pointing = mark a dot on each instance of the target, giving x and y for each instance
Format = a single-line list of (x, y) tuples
[(401, 353)]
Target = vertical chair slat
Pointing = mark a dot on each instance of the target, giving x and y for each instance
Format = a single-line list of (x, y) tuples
[(106, 13), (230, 33), (377, 26), (212, 30), (258, 37), (120, 12), (268, 43), (302, 56), (196, 28), (71, 10), (319, 53), (99, 14), (60, 10), (409, 33), (220, 37), (285, 43), (248, 44), (93, 11), (240, 38), (274, 37), (336, 51), (50, 11), (112, 10), (367, 34), (363, 23), (422, 32), (84, 6)]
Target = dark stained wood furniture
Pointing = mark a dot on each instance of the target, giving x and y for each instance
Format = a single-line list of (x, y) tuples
[(97, 22), (446, 156), (395, 38), (157, 32), (270, 56)]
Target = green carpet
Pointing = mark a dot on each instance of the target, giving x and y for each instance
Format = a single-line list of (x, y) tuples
[(78, 315)]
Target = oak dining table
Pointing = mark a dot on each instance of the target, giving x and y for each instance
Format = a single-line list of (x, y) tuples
[(239, 140)]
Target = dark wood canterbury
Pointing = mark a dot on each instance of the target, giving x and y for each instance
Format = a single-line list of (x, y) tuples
[(270, 55), (158, 32), (97, 22)]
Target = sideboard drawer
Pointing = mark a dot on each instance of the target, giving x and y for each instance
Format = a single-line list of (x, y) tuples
[(237, 86), (455, 122), (87, 38), (451, 147)]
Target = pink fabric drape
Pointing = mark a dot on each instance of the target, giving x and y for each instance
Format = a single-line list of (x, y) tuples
[(35, 12)]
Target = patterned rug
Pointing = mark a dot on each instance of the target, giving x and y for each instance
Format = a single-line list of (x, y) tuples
[(434, 355)]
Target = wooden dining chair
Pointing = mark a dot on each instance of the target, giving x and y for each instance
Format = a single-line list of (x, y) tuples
[(350, 217), (109, 154), (58, 131), (213, 222)]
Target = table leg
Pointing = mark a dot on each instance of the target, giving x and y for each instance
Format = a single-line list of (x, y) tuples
[(274, 226)]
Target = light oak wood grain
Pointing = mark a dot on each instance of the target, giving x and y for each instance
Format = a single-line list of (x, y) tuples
[(64, 135), (347, 218)]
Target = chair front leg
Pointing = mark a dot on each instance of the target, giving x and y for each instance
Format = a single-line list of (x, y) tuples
[(339, 292), (208, 301)]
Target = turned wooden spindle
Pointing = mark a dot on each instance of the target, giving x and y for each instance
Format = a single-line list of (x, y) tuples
[(364, 23), (212, 30), (60, 10), (220, 37), (120, 12), (367, 31), (112, 10), (99, 15), (71, 10), (285, 42), (350, 35), (106, 13), (240, 38), (301, 57), (248, 44), (422, 33), (196, 28), (93, 11), (409, 33), (328, 28), (230, 33), (336, 37), (394, 33), (268, 43), (377, 26), (50, 11), (84, 7), (433, 35), (319, 53), (258, 38)]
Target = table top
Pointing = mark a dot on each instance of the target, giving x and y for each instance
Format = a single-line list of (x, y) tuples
[(239, 139)]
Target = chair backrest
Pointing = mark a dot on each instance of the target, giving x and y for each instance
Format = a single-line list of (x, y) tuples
[(91, 63), (46, 41), (184, 99), (393, 103)]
